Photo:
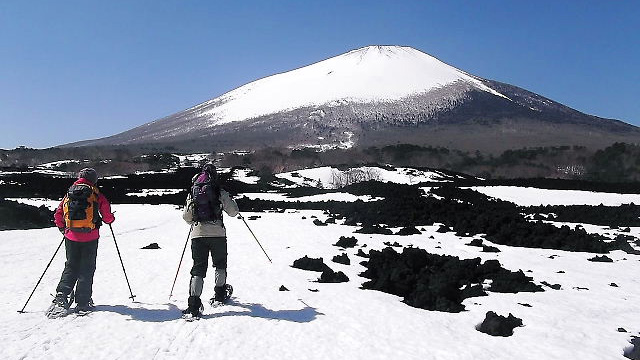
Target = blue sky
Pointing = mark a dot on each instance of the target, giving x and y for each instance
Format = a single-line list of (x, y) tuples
[(76, 70)]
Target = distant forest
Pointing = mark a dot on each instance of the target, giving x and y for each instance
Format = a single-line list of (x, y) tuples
[(619, 162)]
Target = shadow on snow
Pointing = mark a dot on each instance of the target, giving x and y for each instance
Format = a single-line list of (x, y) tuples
[(142, 314), (172, 312), (306, 314)]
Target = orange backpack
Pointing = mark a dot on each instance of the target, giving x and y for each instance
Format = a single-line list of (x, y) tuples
[(81, 208)]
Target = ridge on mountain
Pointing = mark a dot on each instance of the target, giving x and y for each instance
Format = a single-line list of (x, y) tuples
[(375, 95)]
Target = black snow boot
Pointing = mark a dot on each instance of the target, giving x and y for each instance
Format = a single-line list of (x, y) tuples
[(61, 300), (194, 306), (220, 294), (87, 307)]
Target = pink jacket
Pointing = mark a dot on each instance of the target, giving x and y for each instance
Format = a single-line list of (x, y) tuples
[(103, 207)]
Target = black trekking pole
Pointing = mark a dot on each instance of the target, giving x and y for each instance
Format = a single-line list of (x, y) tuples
[(41, 276), (132, 297), (180, 263), (265, 253), (254, 236)]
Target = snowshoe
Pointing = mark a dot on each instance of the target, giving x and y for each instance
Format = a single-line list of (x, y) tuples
[(84, 309), (194, 310), (59, 307), (191, 317), (56, 311), (221, 296)]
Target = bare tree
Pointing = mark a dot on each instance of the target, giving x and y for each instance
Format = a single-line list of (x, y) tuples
[(341, 179)]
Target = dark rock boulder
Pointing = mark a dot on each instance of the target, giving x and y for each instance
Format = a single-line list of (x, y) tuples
[(498, 325), (18, 216), (473, 291), (505, 281), (342, 259), (374, 229), (330, 276), (436, 282), (346, 242), (319, 223), (490, 249), (602, 258), (553, 286), (394, 244), (408, 230), (311, 264), (475, 242), (362, 254), (633, 352), (623, 242)]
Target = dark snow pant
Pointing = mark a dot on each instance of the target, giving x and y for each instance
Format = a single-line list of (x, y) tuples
[(80, 267), (201, 247)]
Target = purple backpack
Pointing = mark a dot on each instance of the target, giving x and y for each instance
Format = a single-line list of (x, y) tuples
[(206, 198)]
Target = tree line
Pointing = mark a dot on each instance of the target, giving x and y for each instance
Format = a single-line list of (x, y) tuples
[(619, 162)]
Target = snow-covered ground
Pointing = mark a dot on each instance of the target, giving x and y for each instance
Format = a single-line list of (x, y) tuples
[(192, 159), (40, 171), (328, 177), (528, 196), (149, 192), (312, 320), (345, 197), (56, 164), (243, 175)]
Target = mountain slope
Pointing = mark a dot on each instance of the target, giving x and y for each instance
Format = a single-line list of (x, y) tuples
[(372, 96)]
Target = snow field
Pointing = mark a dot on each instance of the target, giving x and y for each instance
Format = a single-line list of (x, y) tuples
[(527, 196), (337, 321), (325, 175)]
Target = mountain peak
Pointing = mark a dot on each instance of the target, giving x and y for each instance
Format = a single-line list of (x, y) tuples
[(390, 52), (376, 73), (383, 50)]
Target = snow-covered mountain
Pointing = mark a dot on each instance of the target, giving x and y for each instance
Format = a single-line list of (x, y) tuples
[(367, 75), (375, 95)]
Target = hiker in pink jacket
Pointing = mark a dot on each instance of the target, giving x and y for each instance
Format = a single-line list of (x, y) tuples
[(79, 217)]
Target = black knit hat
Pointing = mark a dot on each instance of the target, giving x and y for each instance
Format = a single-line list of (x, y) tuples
[(209, 167), (89, 174)]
